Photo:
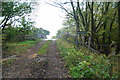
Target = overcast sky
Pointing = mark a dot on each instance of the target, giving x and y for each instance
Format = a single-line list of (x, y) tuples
[(48, 17)]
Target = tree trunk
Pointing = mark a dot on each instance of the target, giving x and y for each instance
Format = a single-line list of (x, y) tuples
[(98, 44), (110, 30), (92, 26), (3, 26), (118, 39), (86, 20), (104, 45), (76, 18)]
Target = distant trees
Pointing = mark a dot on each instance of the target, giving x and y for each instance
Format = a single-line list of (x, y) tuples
[(26, 32), (40, 33)]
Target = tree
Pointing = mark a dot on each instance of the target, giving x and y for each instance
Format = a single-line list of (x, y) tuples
[(118, 39), (97, 19), (13, 9)]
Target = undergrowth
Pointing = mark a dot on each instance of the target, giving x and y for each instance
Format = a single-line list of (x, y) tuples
[(83, 64)]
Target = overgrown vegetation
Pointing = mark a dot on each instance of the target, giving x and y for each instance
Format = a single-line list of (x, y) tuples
[(84, 64), (94, 25), (18, 48), (44, 47)]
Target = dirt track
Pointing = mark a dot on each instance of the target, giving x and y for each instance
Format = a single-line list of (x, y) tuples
[(31, 65)]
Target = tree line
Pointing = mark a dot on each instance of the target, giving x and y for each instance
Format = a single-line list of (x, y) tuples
[(98, 22)]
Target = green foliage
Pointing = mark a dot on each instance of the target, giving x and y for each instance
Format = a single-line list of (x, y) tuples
[(27, 42), (44, 48), (53, 37), (13, 12), (25, 32), (14, 34), (98, 19), (91, 69), (84, 64), (13, 9), (67, 33)]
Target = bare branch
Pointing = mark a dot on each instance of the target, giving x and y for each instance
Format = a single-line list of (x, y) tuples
[(59, 5), (80, 13)]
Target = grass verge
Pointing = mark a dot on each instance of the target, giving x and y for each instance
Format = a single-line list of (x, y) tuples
[(44, 47), (18, 48)]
